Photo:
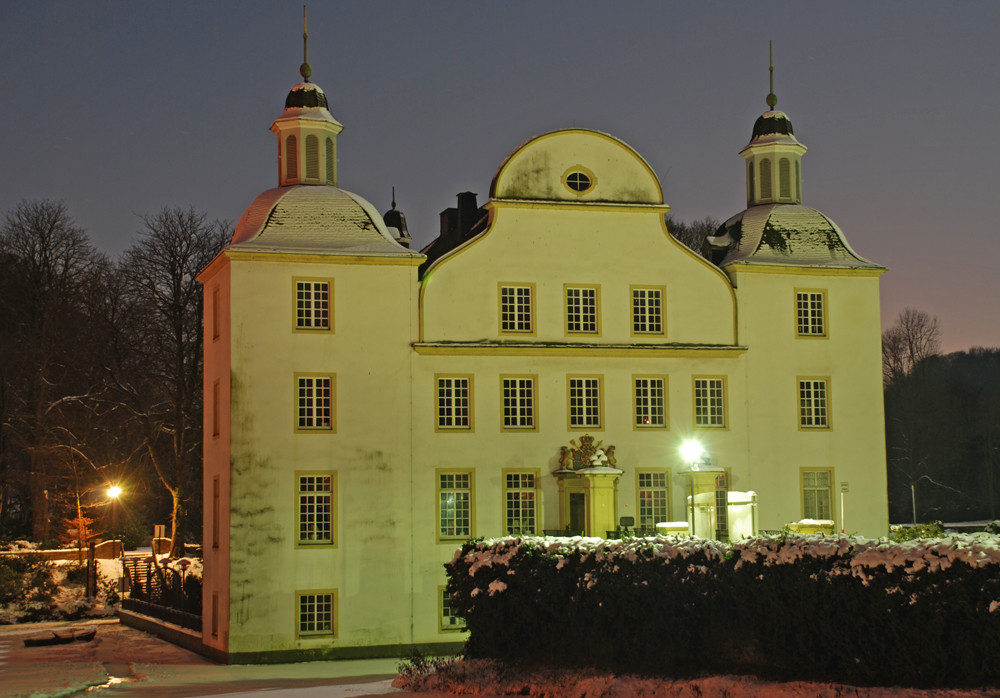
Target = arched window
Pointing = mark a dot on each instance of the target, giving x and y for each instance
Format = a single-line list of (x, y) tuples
[(798, 183), (765, 179), (784, 179), (329, 161), (750, 180), (312, 157), (291, 158)]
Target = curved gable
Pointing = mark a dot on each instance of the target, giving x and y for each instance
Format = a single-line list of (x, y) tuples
[(576, 165)]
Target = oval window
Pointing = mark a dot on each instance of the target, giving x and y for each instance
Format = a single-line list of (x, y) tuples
[(578, 181)]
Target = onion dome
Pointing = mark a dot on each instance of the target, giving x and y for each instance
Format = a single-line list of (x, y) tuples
[(306, 95), (395, 222)]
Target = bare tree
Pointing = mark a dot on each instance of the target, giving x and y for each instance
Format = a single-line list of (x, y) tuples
[(159, 378), (49, 264), (693, 234), (914, 337)]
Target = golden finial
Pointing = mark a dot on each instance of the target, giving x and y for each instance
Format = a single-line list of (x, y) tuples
[(772, 99), (305, 70)]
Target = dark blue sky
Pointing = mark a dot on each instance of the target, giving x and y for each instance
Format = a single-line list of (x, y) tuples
[(120, 108)]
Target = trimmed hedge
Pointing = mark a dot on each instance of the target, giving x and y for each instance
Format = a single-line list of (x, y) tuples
[(811, 607)]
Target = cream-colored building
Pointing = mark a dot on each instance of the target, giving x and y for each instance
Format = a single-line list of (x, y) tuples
[(368, 408)]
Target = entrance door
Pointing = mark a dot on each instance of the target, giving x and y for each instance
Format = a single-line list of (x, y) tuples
[(577, 513)]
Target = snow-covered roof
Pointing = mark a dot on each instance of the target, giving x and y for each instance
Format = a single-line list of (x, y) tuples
[(314, 220), (786, 234)]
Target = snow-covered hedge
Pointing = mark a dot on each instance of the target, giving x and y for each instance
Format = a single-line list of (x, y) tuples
[(920, 613)]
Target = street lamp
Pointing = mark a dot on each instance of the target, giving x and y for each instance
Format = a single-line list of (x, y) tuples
[(692, 452), (113, 493)]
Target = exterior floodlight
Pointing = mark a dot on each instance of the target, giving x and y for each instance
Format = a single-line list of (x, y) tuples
[(692, 451)]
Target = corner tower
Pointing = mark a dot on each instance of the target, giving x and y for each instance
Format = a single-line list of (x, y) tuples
[(306, 130)]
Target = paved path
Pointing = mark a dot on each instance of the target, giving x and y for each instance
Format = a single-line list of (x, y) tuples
[(125, 662)]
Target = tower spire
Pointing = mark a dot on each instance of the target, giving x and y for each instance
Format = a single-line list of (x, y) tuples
[(772, 99), (305, 70)]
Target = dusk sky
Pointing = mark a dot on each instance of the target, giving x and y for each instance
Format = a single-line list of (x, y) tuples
[(122, 108)]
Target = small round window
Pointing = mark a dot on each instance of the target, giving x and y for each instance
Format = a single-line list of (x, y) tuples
[(578, 181)]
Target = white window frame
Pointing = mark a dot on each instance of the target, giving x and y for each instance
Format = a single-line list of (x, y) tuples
[(583, 309), (316, 515), (810, 313), (648, 310), (655, 507), (814, 402), (815, 495), (584, 400), (518, 403), (313, 305), (315, 403), (517, 308), (649, 395), (521, 497), (453, 402), (710, 410), (316, 612), (456, 504)]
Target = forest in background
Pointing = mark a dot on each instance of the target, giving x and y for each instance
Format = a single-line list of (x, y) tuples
[(100, 378)]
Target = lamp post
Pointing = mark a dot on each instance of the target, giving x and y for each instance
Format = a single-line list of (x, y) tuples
[(113, 492)]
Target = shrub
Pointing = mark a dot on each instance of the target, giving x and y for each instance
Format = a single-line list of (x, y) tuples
[(900, 534), (924, 612)]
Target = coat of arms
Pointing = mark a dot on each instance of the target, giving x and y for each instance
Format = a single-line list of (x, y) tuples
[(586, 455)]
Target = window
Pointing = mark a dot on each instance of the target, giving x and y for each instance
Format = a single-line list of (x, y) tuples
[(216, 510), (582, 310), (585, 402), (315, 403), (517, 309), (216, 320), (750, 181), (647, 310), (454, 403), (454, 505), (579, 179), (330, 162), (710, 402), (814, 403), (312, 304), (291, 158), (650, 402), (784, 179), (449, 620), (765, 179), (810, 311), (312, 157), (315, 505), (798, 183), (518, 402), (216, 417), (817, 494), (521, 503), (653, 497), (316, 613)]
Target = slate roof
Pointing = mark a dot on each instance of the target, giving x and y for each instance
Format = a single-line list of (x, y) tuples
[(785, 234), (315, 220)]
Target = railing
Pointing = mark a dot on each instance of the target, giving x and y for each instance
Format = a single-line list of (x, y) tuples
[(162, 592)]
